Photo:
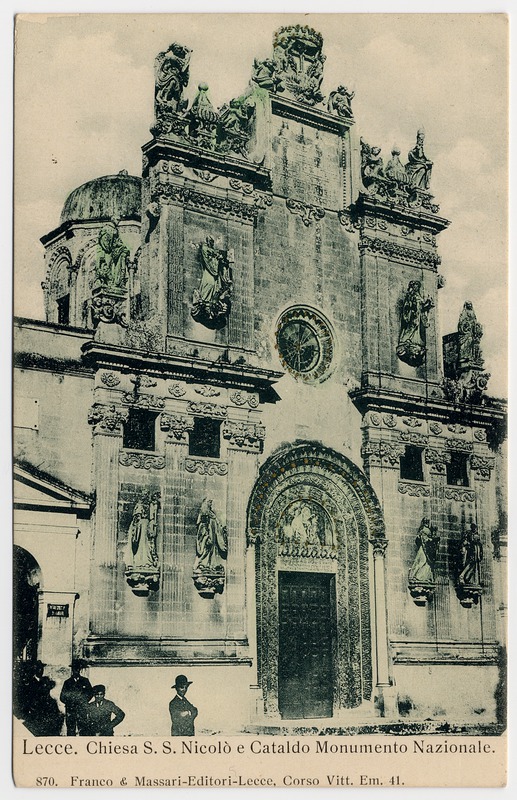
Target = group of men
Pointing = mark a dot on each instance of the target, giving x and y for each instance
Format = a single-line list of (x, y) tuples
[(87, 710)]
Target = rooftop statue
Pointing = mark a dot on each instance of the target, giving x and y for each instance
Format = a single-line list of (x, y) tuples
[(469, 338), (171, 78), (372, 166), (296, 66), (418, 167), (340, 102), (395, 170), (233, 129)]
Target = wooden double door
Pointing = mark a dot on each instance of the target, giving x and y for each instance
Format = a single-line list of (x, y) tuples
[(307, 629)]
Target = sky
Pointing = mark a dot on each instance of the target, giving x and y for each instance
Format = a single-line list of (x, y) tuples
[(84, 103)]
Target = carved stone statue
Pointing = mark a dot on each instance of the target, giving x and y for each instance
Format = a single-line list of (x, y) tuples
[(233, 129), (264, 75), (112, 257), (171, 78), (298, 59), (340, 102), (418, 167), (371, 164), (141, 558), (469, 338), (211, 551), (470, 557), (211, 302), (395, 170), (202, 118), (421, 576), (411, 346)]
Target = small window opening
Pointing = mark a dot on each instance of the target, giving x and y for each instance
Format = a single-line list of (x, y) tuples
[(457, 474), (411, 464), (205, 438), (63, 310), (139, 430)]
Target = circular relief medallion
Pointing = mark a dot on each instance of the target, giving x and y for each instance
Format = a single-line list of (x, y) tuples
[(304, 344)]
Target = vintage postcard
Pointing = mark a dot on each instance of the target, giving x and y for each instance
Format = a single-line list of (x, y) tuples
[(259, 400)]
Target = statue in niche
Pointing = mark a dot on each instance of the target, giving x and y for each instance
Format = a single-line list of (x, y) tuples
[(469, 338), (211, 301), (304, 530), (418, 167), (411, 346), (112, 257), (395, 170), (470, 557), (211, 551), (421, 577), (171, 78), (141, 558), (340, 102), (233, 130), (202, 119)]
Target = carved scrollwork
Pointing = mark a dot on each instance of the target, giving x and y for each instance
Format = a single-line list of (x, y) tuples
[(207, 410), (460, 495), (204, 467), (419, 439), (176, 390), (437, 459), (435, 428), (412, 422), (459, 444), (306, 211), (389, 420), (141, 460), (207, 391), (414, 489), (143, 400)]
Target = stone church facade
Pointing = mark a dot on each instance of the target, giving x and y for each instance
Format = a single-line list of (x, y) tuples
[(242, 451)]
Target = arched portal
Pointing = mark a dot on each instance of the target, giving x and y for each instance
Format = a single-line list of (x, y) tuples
[(26, 582), (312, 514)]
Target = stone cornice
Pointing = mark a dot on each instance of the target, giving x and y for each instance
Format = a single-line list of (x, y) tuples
[(308, 115), (158, 149), (178, 367), (390, 249), (196, 200), (413, 217)]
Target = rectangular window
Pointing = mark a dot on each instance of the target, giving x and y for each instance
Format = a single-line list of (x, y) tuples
[(457, 474), (205, 438), (411, 464), (139, 430), (63, 310)]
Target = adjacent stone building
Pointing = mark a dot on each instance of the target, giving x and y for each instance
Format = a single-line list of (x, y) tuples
[(241, 453)]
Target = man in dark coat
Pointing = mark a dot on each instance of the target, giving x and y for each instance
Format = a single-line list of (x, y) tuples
[(75, 695), (103, 715), (182, 712), (42, 715)]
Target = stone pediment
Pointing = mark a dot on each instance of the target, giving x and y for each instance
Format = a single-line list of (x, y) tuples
[(35, 489)]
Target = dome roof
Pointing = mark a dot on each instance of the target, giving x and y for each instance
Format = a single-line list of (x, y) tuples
[(103, 198)]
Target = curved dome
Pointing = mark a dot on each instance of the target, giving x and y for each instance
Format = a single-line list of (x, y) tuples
[(103, 198)]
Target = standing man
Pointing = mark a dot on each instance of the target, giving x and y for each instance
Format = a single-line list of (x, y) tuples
[(103, 715), (182, 712), (75, 695)]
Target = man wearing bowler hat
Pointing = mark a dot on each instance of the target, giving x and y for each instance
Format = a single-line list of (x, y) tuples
[(76, 693), (182, 712)]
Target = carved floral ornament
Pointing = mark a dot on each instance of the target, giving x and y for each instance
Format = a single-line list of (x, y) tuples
[(382, 453), (107, 419), (306, 211), (176, 426), (244, 435)]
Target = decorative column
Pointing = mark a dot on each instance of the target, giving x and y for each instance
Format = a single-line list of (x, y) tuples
[(175, 577), (108, 423), (244, 442), (384, 687)]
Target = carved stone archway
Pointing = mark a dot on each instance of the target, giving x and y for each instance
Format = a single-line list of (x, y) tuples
[(301, 479)]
